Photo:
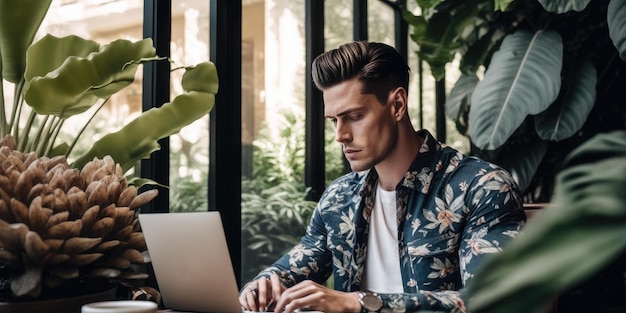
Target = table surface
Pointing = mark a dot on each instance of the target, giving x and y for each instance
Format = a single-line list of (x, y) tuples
[(173, 311)]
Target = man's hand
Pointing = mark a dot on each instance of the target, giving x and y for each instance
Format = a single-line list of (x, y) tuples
[(261, 294), (310, 295)]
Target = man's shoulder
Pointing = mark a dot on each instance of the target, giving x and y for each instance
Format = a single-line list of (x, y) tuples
[(471, 162), (349, 179), (343, 190), (463, 166)]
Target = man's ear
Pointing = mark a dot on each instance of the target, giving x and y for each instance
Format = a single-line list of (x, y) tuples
[(399, 102)]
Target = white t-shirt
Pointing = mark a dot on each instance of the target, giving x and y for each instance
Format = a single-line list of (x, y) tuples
[(382, 264)]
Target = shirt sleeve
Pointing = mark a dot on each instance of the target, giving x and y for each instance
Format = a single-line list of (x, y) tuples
[(495, 217), (424, 301), (308, 260)]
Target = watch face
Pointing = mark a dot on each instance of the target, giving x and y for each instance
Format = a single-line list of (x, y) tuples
[(372, 302)]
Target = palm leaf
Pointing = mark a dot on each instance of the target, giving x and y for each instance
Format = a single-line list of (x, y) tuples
[(563, 6), (586, 218), (616, 17), (509, 92), (567, 115)]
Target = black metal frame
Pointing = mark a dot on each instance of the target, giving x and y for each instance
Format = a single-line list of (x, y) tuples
[(314, 165), (225, 123), (157, 24)]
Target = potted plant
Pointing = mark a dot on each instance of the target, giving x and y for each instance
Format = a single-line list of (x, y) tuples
[(541, 93), (64, 217)]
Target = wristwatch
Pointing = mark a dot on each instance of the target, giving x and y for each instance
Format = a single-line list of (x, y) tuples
[(370, 302)]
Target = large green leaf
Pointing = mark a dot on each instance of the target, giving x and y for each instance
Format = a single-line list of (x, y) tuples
[(138, 139), (568, 114), (202, 77), (616, 19), (79, 82), (49, 52), (18, 26), (582, 231), (460, 95), (563, 6), (524, 77)]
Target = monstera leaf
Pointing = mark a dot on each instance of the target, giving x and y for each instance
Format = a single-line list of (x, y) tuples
[(586, 217), (510, 92)]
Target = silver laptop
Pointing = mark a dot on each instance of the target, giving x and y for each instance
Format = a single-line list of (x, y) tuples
[(191, 261)]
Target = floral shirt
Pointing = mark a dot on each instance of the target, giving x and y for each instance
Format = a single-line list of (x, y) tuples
[(453, 211)]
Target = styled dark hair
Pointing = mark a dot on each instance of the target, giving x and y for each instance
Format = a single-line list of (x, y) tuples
[(378, 66)]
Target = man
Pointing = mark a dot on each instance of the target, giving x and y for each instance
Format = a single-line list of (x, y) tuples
[(407, 229)]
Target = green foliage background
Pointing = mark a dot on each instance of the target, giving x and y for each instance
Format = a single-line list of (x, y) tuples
[(274, 206)]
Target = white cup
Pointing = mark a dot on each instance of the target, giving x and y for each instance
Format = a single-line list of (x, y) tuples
[(124, 306)]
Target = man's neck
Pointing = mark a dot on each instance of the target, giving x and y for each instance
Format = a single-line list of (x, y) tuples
[(393, 168)]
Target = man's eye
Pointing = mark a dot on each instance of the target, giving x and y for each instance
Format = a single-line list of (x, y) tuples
[(353, 117)]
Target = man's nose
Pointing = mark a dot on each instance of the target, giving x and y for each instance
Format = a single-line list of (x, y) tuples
[(342, 132)]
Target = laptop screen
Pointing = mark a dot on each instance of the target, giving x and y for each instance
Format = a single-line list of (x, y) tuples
[(191, 261)]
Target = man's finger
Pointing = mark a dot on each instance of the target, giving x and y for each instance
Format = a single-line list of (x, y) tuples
[(263, 293), (248, 298), (276, 286)]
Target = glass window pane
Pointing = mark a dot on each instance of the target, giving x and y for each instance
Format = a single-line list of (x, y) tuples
[(274, 210), (380, 22), (189, 149), (338, 23)]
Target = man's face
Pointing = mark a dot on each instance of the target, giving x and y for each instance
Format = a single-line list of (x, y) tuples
[(366, 128)]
